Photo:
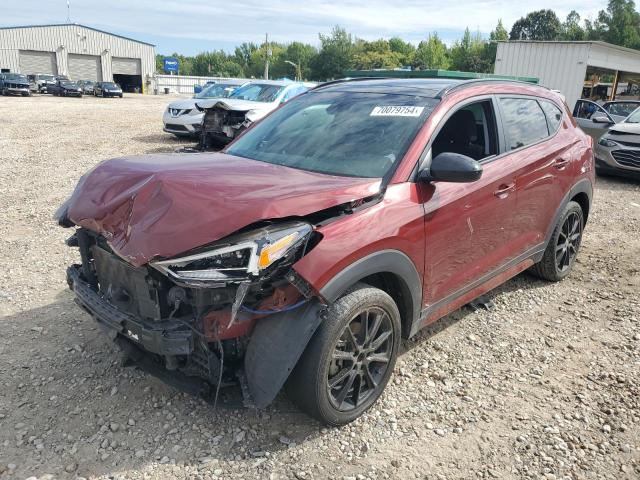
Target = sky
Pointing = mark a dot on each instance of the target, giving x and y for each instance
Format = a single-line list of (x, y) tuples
[(192, 26)]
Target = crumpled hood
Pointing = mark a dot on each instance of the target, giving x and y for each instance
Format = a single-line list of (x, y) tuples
[(164, 205), (236, 104)]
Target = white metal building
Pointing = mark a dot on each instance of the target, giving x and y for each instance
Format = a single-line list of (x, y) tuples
[(564, 66), (80, 52)]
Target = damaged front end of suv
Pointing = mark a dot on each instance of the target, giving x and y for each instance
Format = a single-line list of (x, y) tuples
[(199, 314), (192, 315)]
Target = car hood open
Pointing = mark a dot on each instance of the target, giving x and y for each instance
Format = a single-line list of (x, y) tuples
[(165, 205)]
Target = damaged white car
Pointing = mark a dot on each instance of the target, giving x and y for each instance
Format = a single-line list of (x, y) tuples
[(226, 119)]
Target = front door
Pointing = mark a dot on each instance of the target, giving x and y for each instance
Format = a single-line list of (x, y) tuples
[(468, 227), (591, 118)]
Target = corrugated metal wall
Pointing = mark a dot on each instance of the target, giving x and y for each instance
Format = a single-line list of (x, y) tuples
[(559, 65), (74, 39)]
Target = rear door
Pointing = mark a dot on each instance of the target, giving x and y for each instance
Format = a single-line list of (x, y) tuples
[(542, 157), (585, 112)]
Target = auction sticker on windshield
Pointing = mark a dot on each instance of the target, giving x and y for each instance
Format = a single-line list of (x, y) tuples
[(396, 111)]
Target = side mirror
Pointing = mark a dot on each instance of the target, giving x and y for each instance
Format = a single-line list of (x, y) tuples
[(452, 167), (601, 119)]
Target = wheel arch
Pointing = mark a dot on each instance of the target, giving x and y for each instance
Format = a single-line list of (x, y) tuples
[(389, 270)]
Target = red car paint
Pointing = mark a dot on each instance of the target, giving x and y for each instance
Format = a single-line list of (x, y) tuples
[(458, 236), (164, 205)]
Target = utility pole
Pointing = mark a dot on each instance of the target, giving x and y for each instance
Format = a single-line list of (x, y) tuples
[(266, 63), (68, 12)]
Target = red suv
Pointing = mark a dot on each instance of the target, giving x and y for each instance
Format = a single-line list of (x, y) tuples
[(349, 218)]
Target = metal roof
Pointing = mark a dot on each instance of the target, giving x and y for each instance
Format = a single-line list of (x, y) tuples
[(78, 25), (578, 42)]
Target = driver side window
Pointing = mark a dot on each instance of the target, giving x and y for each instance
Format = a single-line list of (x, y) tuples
[(470, 131)]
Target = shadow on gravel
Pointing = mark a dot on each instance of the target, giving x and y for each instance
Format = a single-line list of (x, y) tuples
[(524, 281), (618, 183), (64, 386)]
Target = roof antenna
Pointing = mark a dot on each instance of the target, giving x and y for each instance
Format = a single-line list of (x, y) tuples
[(68, 12)]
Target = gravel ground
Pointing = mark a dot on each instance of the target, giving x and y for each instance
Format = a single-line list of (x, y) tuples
[(544, 386)]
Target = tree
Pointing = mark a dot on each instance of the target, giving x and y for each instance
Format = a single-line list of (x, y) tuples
[(468, 54), (500, 33), (618, 24), (571, 29), (538, 25), (302, 55), (335, 56), (376, 54), (403, 49), (431, 54)]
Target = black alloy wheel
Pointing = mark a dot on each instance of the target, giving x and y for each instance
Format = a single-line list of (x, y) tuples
[(562, 250), (350, 358), (568, 241), (360, 359)]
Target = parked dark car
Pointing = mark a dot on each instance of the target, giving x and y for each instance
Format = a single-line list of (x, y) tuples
[(351, 217), (107, 89), (86, 86), (14, 84), (65, 88)]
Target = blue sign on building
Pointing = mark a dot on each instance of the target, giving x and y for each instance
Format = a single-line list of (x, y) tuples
[(171, 64)]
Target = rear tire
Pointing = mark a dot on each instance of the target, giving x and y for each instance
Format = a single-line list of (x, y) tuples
[(562, 250), (349, 360)]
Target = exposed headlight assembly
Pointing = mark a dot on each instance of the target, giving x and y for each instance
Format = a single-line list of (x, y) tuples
[(240, 258), (605, 142)]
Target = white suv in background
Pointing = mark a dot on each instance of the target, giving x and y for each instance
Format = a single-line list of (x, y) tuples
[(183, 119)]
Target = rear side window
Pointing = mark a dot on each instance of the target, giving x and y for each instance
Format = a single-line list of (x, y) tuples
[(524, 122), (554, 115)]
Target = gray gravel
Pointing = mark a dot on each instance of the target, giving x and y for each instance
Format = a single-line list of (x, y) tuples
[(544, 386)]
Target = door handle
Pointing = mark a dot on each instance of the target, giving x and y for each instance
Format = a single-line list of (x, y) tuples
[(560, 163), (505, 190)]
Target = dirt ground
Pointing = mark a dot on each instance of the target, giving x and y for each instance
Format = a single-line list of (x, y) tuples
[(546, 385)]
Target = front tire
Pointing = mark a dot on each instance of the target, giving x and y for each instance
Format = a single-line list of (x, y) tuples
[(562, 250), (349, 360)]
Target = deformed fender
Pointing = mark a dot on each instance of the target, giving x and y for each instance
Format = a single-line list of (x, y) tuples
[(276, 344)]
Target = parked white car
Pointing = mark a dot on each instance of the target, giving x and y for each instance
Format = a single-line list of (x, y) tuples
[(183, 119), (225, 119)]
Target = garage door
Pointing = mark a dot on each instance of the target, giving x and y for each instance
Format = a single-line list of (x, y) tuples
[(85, 67), (126, 66), (38, 62)]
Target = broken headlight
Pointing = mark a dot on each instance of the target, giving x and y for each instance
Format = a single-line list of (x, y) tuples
[(242, 256)]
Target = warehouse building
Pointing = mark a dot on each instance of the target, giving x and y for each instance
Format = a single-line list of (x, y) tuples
[(565, 66), (80, 52)]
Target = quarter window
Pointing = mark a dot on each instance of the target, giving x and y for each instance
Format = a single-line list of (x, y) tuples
[(554, 115), (524, 122)]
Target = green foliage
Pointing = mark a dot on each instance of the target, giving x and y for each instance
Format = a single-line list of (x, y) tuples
[(571, 29), (431, 54), (339, 51), (618, 24), (538, 25)]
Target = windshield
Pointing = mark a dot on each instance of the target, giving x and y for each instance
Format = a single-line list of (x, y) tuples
[(634, 117), (67, 83), (621, 108), (109, 85), (46, 77), (15, 76), (258, 92), (337, 133), (218, 90)]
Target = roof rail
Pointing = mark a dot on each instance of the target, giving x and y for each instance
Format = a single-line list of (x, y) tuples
[(347, 79), (448, 89)]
